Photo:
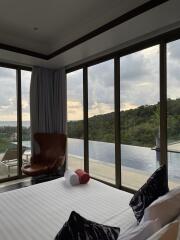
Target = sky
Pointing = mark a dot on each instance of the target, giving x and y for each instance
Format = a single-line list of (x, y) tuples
[(8, 99), (139, 82), (139, 85)]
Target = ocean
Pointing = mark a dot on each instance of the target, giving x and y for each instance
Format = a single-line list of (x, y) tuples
[(138, 158), (14, 123)]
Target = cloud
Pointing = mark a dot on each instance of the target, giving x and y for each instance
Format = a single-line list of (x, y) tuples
[(8, 94), (140, 78), (75, 95), (7, 73), (25, 89), (173, 49), (173, 69), (100, 91), (100, 108), (101, 85), (75, 85), (139, 83), (8, 98), (75, 110), (102, 74), (132, 67)]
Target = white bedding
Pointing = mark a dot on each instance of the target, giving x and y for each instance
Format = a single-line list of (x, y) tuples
[(38, 212), (170, 231)]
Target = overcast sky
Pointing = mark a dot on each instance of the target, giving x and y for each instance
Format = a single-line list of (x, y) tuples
[(139, 85), (8, 100), (139, 82)]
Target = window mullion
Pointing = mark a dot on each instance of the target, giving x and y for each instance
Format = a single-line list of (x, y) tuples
[(19, 121), (117, 121), (85, 110), (163, 104)]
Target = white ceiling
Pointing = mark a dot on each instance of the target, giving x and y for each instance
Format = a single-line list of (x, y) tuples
[(59, 21), (63, 21)]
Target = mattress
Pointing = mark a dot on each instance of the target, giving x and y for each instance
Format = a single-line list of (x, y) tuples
[(38, 212)]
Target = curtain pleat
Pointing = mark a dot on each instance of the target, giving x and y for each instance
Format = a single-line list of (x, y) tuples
[(47, 102)]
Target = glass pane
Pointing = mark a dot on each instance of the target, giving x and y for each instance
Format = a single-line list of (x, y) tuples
[(139, 98), (101, 121), (26, 131), (8, 123), (75, 120), (173, 117)]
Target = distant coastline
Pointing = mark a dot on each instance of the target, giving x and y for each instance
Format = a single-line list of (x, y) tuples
[(14, 123)]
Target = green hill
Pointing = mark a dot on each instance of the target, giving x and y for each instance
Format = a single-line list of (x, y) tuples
[(139, 126)]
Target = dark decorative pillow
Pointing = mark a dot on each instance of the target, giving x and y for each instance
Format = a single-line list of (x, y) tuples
[(79, 228), (156, 186)]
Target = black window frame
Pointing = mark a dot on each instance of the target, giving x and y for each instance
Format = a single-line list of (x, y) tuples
[(162, 40), (18, 69)]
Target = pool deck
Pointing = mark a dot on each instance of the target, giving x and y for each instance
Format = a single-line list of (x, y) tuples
[(172, 147), (102, 170), (106, 171), (4, 169)]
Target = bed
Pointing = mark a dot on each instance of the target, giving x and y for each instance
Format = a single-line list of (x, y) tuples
[(39, 211)]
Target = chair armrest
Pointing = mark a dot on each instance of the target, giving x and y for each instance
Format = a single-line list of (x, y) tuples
[(27, 165)]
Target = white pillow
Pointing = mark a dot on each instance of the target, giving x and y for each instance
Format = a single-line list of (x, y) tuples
[(165, 208), (142, 231), (168, 232)]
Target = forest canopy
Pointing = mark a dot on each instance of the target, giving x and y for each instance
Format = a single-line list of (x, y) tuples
[(139, 126)]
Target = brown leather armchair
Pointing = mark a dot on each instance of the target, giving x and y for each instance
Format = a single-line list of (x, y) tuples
[(51, 157)]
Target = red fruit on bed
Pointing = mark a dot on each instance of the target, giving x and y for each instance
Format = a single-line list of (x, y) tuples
[(83, 176)]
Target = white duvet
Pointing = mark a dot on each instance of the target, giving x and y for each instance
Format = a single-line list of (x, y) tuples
[(38, 212)]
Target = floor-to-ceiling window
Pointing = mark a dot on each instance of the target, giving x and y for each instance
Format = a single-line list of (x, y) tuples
[(141, 115), (75, 128), (173, 112), (101, 121), (139, 101), (8, 123)]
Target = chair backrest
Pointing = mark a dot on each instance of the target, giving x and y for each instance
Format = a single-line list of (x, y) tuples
[(52, 146), (11, 154)]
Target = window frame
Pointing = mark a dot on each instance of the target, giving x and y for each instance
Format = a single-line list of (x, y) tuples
[(18, 69), (160, 40)]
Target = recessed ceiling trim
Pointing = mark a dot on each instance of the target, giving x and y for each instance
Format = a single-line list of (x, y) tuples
[(166, 37), (23, 51), (121, 19), (15, 66)]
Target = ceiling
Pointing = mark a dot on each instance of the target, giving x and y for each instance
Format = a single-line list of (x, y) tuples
[(44, 26), (58, 21)]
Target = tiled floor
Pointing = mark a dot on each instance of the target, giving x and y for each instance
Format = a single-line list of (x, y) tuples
[(20, 183), (13, 170), (12, 185)]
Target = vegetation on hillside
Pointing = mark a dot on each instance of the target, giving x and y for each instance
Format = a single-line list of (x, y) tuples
[(8, 134), (139, 126)]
